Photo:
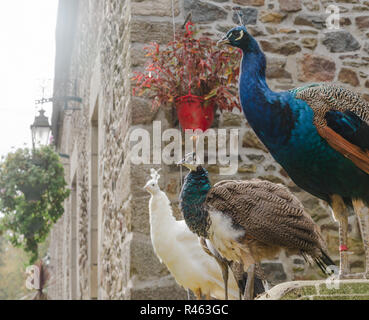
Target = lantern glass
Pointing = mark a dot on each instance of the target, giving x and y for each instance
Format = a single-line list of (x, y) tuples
[(40, 130), (40, 136)]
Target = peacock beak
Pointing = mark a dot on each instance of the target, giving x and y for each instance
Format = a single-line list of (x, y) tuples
[(191, 167), (181, 162), (223, 41)]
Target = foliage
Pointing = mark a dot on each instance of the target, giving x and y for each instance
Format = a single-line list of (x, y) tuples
[(191, 65), (12, 273), (2, 250), (32, 192), (13, 270)]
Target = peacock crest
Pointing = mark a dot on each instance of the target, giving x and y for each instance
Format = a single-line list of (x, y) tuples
[(155, 174)]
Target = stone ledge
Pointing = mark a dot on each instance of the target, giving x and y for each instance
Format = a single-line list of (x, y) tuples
[(165, 288), (319, 290)]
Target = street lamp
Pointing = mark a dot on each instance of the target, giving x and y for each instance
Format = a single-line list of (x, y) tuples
[(40, 130)]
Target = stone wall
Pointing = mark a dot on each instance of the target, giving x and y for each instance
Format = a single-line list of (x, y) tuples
[(106, 46)]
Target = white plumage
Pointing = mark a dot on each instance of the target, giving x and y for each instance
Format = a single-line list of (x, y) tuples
[(180, 250)]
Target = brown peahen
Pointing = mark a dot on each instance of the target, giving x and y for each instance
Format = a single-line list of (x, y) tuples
[(249, 221)]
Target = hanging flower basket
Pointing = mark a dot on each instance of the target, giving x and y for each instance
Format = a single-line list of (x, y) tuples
[(32, 193), (193, 113), (196, 70)]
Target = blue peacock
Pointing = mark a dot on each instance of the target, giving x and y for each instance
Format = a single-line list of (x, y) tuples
[(318, 133)]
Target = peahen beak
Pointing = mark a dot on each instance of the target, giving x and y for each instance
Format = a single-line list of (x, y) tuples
[(223, 41), (184, 162)]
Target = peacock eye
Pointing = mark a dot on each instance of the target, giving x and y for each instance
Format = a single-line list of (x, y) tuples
[(236, 34)]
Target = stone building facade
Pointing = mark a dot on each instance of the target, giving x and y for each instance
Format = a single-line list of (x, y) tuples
[(101, 248)]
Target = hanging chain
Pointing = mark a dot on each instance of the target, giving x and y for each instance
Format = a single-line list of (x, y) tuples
[(180, 167), (174, 24), (174, 38)]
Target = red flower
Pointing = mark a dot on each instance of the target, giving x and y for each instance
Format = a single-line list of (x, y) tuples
[(189, 28)]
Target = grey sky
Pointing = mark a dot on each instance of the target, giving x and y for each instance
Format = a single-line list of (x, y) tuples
[(27, 37)]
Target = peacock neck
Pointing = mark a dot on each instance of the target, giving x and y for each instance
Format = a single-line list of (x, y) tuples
[(192, 198), (162, 221), (253, 68), (265, 110), (160, 210)]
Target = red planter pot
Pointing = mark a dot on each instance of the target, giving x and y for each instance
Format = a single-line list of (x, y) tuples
[(193, 114)]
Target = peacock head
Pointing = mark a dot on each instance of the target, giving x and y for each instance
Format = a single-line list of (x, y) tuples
[(152, 186), (189, 161), (237, 37)]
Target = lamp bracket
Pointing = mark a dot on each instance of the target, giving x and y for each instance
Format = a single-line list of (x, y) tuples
[(66, 99)]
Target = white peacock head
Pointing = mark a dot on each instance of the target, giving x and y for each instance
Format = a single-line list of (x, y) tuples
[(152, 186)]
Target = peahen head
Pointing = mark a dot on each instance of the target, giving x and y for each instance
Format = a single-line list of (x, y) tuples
[(193, 195), (189, 161), (152, 186), (197, 182)]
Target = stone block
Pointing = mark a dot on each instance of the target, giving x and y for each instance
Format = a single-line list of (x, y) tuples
[(167, 289), (122, 184), (203, 12), (315, 21), (274, 271), (144, 264), (151, 31), (316, 68), (271, 178), (341, 41), (230, 119), (272, 17), (256, 158), (276, 69), (137, 54), (140, 219), (160, 8), (257, 3), (250, 140), (362, 22), (247, 168), (290, 5), (309, 43), (142, 112), (249, 16), (348, 76), (283, 48)]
